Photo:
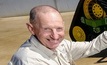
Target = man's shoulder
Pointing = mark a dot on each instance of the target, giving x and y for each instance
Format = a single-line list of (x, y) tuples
[(65, 41)]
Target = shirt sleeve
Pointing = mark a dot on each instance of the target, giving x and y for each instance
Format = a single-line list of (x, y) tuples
[(84, 49), (28, 61), (10, 63)]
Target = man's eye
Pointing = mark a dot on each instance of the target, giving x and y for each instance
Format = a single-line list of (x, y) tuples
[(59, 29), (47, 29)]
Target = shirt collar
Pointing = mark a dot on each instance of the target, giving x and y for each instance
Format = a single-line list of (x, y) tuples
[(38, 45)]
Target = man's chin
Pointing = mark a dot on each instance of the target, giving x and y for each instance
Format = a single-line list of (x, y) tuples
[(54, 47)]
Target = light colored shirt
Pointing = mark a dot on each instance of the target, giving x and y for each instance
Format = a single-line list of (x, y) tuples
[(32, 52)]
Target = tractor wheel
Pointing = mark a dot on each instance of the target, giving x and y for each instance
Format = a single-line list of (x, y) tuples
[(78, 33)]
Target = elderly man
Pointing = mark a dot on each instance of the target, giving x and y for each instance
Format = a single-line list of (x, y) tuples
[(47, 45)]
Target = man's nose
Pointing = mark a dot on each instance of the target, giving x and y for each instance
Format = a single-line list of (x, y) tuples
[(54, 34)]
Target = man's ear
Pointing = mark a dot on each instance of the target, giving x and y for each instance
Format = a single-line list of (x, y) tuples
[(30, 28)]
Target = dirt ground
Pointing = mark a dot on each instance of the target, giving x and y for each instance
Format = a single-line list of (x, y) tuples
[(13, 32)]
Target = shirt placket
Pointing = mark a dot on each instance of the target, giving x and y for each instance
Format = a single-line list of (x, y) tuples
[(58, 58)]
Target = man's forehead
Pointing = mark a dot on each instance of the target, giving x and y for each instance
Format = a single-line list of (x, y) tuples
[(44, 9)]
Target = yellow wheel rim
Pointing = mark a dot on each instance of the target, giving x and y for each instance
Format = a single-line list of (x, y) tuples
[(79, 34), (92, 10), (98, 11), (85, 9)]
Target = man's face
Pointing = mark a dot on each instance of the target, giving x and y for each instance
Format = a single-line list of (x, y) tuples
[(50, 29)]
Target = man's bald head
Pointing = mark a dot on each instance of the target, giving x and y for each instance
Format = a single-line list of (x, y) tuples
[(41, 9)]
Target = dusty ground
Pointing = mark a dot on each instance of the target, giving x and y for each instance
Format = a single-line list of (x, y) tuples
[(13, 33)]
